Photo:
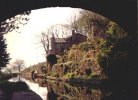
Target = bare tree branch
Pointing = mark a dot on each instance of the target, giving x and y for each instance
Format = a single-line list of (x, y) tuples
[(18, 64), (14, 23)]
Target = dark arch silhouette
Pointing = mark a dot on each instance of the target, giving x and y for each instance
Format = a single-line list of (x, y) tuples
[(123, 12)]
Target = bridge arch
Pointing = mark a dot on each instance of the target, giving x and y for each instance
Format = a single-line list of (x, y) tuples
[(122, 12)]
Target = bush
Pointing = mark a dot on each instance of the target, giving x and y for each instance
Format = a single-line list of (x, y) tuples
[(87, 62), (93, 76), (70, 75), (58, 57), (75, 55), (84, 46), (88, 71), (55, 75), (51, 59)]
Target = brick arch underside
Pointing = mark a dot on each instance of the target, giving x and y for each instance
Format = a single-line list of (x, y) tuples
[(123, 12)]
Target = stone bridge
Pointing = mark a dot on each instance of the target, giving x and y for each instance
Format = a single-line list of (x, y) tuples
[(123, 12)]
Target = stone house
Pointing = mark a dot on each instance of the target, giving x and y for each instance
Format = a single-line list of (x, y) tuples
[(58, 45)]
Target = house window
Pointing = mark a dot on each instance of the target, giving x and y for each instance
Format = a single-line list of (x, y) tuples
[(59, 46)]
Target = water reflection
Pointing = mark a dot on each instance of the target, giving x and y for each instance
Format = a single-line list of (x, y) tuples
[(9, 89), (63, 91), (51, 90), (15, 89), (35, 86)]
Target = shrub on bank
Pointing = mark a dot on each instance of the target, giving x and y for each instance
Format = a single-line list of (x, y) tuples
[(70, 75)]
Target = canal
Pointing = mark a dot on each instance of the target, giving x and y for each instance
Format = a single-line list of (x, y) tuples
[(19, 88)]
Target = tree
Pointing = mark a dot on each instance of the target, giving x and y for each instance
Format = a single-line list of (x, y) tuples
[(4, 56), (14, 23), (59, 30), (45, 42), (7, 26), (44, 38), (18, 64), (73, 25), (51, 60), (115, 55), (85, 22)]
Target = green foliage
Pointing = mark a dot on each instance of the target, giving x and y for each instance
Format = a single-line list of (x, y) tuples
[(14, 23), (84, 22), (87, 62), (51, 59), (69, 75), (88, 71), (93, 76), (84, 46), (75, 55), (115, 31), (4, 56), (79, 60), (114, 55), (55, 74)]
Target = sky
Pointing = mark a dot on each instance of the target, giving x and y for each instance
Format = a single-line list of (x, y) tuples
[(24, 45)]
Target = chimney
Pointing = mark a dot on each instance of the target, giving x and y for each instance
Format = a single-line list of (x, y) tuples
[(53, 43), (94, 29), (73, 32)]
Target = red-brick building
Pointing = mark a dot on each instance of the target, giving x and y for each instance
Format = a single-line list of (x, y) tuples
[(58, 45)]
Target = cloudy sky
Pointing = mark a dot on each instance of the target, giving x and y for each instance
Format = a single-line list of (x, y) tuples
[(23, 45)]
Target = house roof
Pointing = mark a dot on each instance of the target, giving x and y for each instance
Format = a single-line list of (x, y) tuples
[(60, 40), (81, 34), (76, 34), (63, 40)]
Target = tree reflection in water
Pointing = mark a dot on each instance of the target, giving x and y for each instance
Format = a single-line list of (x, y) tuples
[(17, 91), (64, 91), (8, 88)]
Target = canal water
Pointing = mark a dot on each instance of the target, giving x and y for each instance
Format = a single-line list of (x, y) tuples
[(34, 86), (41, 89)]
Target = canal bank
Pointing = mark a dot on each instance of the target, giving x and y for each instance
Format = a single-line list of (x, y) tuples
[(77, 80), (90, 81), (45, 89), (4, 77)]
